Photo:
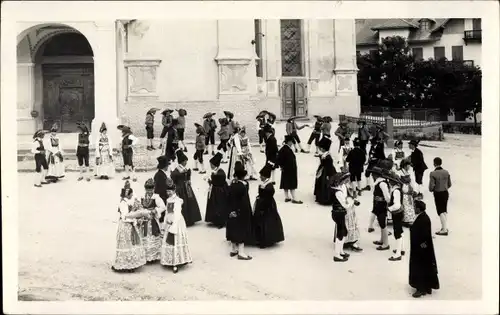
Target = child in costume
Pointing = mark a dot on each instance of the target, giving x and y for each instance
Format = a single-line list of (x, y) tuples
[(397, 154), (166, 121), (326, 127), (200, 149), (341, 202), (129, 141), (41, 165), (291, 130), (210, 126), (315, 134), (344, 152), (181, 127), (224, 138), (150, 121), (82, 151), (324, 173), (55, 156), (356, 161), (105, 167)]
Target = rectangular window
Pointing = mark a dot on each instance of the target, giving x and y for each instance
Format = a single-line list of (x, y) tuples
[(291, 48), (259, 64), (418, 53), (457, 53), (425, 24), (476, 24), (439, 53)]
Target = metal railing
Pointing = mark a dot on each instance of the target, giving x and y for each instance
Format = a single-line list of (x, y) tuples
[(473, 34), (420, 114)]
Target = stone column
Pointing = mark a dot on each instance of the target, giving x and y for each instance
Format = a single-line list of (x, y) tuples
[(236, 59), (272, 55), (105, 77)]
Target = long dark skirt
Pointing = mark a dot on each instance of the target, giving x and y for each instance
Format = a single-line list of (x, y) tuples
[(217, 206), (190, 209), (267, 223), (323, 191), (239, 230)]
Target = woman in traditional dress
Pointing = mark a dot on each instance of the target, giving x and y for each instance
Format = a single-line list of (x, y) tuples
[(266, 220), (397, 154), (217, 201), (239, 229), (352, 238), (151, 226), (181, 176), (174, 247), (408, 203), (130, 253), (235, 155), (54, 156), (105, 167), (326, 169)]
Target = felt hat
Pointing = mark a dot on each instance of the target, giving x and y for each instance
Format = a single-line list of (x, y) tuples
[(325, 144), (338, 178), (420, 205), (266, 171), (170, 185), (82, 126), (199, 128), (54, 128), (39, 133), (208, 115), (216, 159), (318, 117), (182, 112), (262, 114), (267, 129), (162, 162), (149, 184), (124, 128), (382, 168), (126, 190), (181, 157), (272, 116), (288, 138), (228, 114), (414, 142), (393, 178), (167, 111), (239, 170), (103, 127), (153, 111)]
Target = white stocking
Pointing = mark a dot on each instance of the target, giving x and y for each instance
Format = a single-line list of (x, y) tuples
[(38, 178)]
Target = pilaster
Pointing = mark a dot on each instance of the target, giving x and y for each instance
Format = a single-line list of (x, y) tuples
[(345, 57), (272, 55), (25, 89)]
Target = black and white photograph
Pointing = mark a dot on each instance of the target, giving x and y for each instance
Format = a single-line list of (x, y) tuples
[(197, 151)]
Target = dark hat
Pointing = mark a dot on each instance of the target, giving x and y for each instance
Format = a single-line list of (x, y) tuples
[(228, 114), (267, 128), (208, 115), (103, 127), (124, 128), (182, 112), (420, 205), (414, 142), (149, 184), (272, 116), (318, 117), (325, 144), (393, 178), (356, 142), (170, 185), (216, 159), (167, 111), (338, 178), (126, 190), (288, 138), (239, 170), (153, 111), (54, 128), (162, 162), (266, 171), (199, 128), (243, 130), (82, 126), (262, 113), (383, 167), (39, 133), (181, 157), (398, 143)]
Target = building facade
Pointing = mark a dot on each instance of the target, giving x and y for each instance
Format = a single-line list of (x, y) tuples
[(114, 71), (453, 39)]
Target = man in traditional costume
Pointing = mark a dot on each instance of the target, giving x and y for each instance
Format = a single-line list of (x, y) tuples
[(150, 226), (423, 266), (324, 173), (261, 122), (55, 156), (341, 201), (82, 151), (344, 152), (150, 122), (41, 165), (217, 210), (210, 126), (105, 166), (271, 149), (291, 130), (166, 121), (395, 206), (287, 161), (224, 136), (439, 184), (376, 155), (315, 134), (200, 148), (172, 140), (234, 126), (342, 133), (356, 160), (181, 127), (160, 181), (246, 154), (175, 248), (129, 141), (326, 127), (418, 165), (363, 135)]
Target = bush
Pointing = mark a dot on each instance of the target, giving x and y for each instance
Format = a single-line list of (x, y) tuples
[(463, 127)]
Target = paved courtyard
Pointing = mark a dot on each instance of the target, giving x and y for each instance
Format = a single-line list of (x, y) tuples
[(67, 240)]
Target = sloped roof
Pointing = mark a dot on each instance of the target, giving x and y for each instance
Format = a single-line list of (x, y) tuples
[(367, 30)]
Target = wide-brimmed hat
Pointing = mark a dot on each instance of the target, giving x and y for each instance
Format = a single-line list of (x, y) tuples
[(149, 184), (124, 128), (267, 129), (243, 130), (318, 117), (262, 114), (288, 138), (162, 162), (271, 115), (170, 185), (239, 170), (82, 126), (414, 142), (199, 128), (392, 177), (338, 178), (54, 128), (382, 168), (216, 159), (229, 114), (39, 133), (182, 112), (103, 127), (325, 144), (167, 111), (181, 157), (208, 115), (266, 171), (152, 111)]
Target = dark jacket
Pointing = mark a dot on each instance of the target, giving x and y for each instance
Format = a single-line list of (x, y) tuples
[(271, 149), (417, 161), (439, 180)]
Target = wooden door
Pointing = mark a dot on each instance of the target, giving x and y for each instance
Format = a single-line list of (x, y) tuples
[(68, 96), (293, 97), (300, 99), (287, 99)]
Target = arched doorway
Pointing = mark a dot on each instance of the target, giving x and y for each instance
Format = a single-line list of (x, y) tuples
[(56, 78)]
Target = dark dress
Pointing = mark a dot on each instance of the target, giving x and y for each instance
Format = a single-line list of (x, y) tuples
[(266, 219), (322, 185), (423, 266), (239, 228), (217, 201), (190, 209), (160, 179), (288, 164), (172, 144), (271, 150)]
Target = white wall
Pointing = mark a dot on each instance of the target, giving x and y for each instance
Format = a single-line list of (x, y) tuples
[(187, 48)]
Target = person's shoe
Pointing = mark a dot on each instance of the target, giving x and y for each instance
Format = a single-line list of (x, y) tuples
[(418, 294), (381, 248), (205, 153), (148, 148), (370, 230), (213, 153), (345, 255), (303, 151), (45, 183), (80, 178), (392, 258), (153, 148), (38, 185), (185, 149), (402, 252), (297, 202), (343, 259), (428, 291), (367, 188), (196, 169), (261, 151), (126, 178), (244, 258), (377, 242), (442, 233), (88, 179), (359, 191), (356, 249), (288, 199), (232, 254)]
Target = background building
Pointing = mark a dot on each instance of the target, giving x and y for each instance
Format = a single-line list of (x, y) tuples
[(454, 39), (114, 71)]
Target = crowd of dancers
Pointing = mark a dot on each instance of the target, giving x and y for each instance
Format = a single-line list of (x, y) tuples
[(154, 227)]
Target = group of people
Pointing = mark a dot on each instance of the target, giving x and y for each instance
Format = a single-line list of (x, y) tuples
[(154, 228)]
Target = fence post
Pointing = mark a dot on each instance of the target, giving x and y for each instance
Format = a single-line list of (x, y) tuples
[(389, 129)]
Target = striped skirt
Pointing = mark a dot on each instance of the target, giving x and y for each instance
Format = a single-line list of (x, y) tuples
[(175, 248), (130, 253), (352, 226)]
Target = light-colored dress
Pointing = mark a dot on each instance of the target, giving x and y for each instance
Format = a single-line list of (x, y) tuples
[(174, 246), (130, 253), (54, 157), (397, 156), (104, 155), (408, 204), (235, 155), (351, 222), (150, 228)]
